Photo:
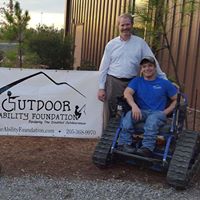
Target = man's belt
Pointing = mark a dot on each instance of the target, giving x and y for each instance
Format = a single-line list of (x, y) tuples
[(122, 79)]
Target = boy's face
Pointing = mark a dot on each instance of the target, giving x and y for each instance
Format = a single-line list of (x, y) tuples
[(148, 70)]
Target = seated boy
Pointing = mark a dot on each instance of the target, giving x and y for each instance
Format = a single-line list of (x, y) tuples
[(148, 96)]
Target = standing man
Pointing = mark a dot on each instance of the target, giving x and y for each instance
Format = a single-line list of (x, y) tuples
[(120, 63)]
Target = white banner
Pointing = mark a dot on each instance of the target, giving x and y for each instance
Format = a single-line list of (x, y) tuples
[(50, 103)]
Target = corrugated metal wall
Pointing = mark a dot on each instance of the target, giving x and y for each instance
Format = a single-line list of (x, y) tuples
[(183, 33), (99, 24)]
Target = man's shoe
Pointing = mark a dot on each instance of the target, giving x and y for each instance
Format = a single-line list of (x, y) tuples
[(143, 151), (128, 148)]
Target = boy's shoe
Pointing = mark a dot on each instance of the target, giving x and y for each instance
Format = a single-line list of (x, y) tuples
[(143, 151), (126, 148)]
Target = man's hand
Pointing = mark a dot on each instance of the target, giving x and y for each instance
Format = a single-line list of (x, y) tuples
[(136, 113), (101, 95)]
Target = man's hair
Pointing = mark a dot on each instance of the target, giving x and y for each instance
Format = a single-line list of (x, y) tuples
[(125, 15)]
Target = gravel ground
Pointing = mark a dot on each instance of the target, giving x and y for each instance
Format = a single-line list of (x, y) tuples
[(46, 188)]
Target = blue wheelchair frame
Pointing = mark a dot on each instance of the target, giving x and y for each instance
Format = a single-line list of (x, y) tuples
[(175, 127)]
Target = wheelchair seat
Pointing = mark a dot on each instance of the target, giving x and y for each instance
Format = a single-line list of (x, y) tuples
[(163, 130)]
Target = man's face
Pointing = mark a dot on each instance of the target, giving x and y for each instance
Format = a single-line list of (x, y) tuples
[(125, 26), (148, 70)]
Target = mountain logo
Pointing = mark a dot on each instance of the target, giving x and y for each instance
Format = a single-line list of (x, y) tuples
[(54, 109), (7, 87)]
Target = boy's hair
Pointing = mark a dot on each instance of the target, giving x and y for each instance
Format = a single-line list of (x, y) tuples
[(147, 59)]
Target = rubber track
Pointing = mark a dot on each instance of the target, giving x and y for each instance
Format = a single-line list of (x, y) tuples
[(180, 172), (101, 156)]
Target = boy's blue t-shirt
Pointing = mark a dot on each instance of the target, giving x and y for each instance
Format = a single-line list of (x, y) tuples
[(152, 95)]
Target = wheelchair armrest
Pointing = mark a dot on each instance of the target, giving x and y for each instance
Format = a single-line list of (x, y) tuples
[(122, 104)]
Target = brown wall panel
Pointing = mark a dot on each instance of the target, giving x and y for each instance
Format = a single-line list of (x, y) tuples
[(99, 26), (113, 20), (99, 19), (163, 55), (193, 44), (184, 43), (90, 32), (197, 71), (94, 31)]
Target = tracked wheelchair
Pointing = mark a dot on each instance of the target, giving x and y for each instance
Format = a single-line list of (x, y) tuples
[(177, 151)]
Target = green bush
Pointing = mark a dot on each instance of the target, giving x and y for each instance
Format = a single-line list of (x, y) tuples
[(52, 49), (10, 58)]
